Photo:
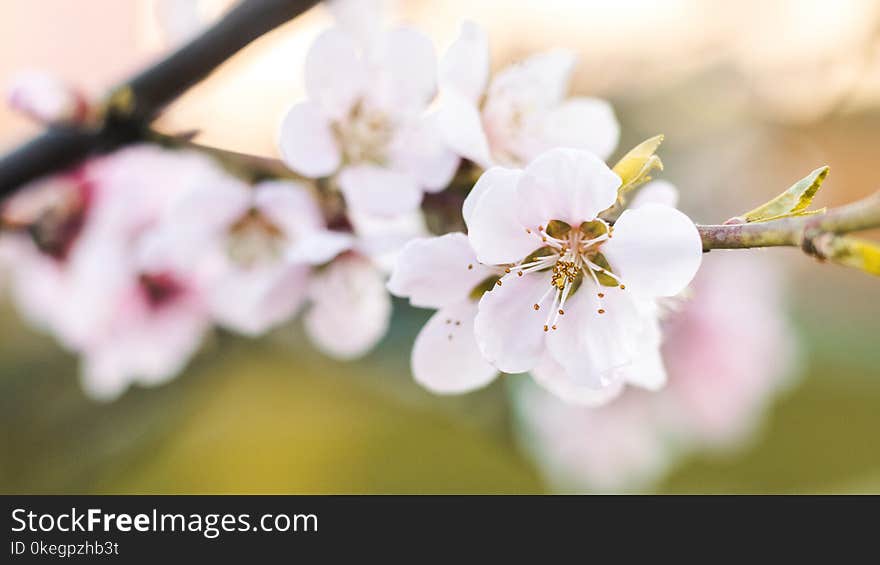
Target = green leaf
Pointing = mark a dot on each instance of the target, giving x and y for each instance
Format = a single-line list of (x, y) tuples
[(635, 167), (792, 202)]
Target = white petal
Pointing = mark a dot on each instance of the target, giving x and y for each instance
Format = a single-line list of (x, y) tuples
[(445, 356), (209, 206), (542, 79), (490, 178), (421, 150), (565, 184), (361, 19), (583, 123), (289, 205), (320, 247), (438, 271), (656, 192), (494, 229), (45, 98), (334, 74), (510, 332), (371, 189), (554, 378), (462, 127), (307, 143), (465, 65), (253, 301), (382, 239), (647, 371), (590, 345), (405, 66), (655, 249), (350, 310)]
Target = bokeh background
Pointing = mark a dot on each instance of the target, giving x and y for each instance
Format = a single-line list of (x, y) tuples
[(751, 95)]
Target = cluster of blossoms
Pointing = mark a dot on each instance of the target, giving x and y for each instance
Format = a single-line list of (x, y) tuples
[(565, 271), (130, 259)]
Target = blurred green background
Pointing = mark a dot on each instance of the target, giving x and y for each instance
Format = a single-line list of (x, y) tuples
[(750, 95)]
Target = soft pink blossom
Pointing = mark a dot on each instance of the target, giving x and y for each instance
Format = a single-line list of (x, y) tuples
[(522, 111)]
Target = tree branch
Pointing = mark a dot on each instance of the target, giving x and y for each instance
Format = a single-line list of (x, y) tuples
[(810, 233), (136, 103)]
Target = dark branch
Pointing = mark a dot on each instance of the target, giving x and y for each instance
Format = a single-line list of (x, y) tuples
[(148, 92)]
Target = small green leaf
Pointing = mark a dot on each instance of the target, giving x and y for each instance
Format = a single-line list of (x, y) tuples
[(792, 202), (635, 167)]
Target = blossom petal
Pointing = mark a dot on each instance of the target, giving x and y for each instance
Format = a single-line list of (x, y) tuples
[(555, 379), (421, 151), (583, 123), (382, 239), (542, 79), (307, 143), (656, 192), (592, 345), (565, 184), (253, 301), (462, 127), (465, 65), (438, 271), (490, 178), (335, 76), (320, 247), (289, 205), (406, 71), (510, 332), (350, 310), (375, 190), (445, 356), (494, 229), (361, 19), (656, 249)]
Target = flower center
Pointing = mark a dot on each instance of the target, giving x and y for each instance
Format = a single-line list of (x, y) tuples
[(160, 288), (364, 135), (254, 240), (571, 255)]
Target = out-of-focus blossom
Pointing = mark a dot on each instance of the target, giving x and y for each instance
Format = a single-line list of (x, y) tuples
[(364, 122), (46, 99), (577, 305), (443, 273), (254, 248), (725, 363), (350, 307), (89, 270), (523, 112)]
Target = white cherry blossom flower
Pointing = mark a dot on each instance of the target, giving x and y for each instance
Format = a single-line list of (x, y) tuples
[(364, 122), (524, 110), (577, 303), (443, 273), (253, 247)]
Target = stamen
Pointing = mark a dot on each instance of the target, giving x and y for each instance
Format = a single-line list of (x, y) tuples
[(601, 311), (471, 266)]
